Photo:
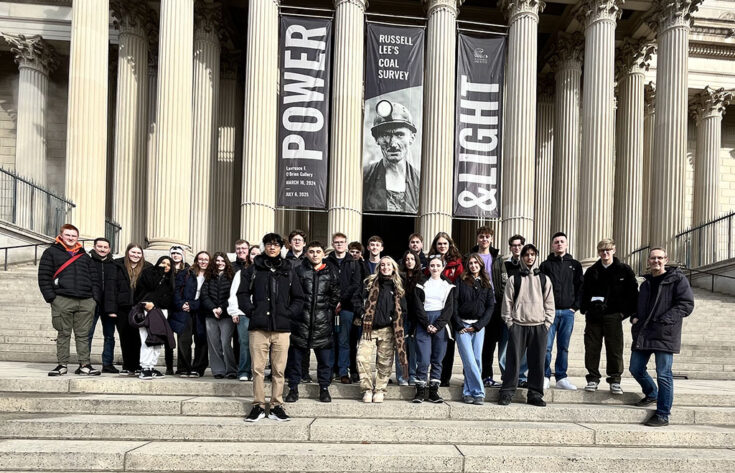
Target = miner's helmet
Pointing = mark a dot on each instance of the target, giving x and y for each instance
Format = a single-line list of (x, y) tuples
[(391, 115)]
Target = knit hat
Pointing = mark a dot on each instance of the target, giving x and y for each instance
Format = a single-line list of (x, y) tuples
[(176, 249)]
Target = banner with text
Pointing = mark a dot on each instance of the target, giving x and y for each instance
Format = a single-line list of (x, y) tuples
[(394, 98), (478, 116), (303, 112)]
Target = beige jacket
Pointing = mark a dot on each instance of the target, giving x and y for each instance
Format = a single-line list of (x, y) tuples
[(531, 307)]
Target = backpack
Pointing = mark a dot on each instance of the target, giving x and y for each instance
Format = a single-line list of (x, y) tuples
[(517, 285)]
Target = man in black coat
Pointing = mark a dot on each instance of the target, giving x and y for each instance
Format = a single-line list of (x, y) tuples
[(68, 281), (665, 298), (105, 310), (609, 295), (270, 295), (313, 327)]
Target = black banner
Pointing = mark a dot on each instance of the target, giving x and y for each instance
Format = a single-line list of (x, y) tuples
[(394, 98), (479, 111), (305, 50)]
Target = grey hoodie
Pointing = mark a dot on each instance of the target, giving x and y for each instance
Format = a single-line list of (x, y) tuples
[(532, 307)]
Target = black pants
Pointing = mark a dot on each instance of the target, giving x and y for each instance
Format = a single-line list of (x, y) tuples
[(305, 364), (324, 363), (493, 335), (129, 341), (520, 339), (185, 363), (610, 328), (355, 335), (448, 363)]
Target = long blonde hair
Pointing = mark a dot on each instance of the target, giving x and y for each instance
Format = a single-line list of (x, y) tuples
[(397, 282), (134, 273)]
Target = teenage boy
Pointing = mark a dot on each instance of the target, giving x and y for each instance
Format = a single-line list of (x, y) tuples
[(416, 244), (269, 294), (106, 275), (295, 256), (512, 267), (313, 326), (528, 311), (375, 248), (565, 273)]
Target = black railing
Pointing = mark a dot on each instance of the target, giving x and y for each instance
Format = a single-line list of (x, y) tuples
[(86, 244), (30, 206), (112, 233), (708, 243), (638, 260), (705, 274)]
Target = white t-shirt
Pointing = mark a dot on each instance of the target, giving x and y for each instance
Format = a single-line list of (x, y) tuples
[(435, 292), (200, 281)]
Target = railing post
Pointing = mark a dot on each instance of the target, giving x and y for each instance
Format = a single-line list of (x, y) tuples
[(729, 237), (35, 255), (5, 264), (15, 201)]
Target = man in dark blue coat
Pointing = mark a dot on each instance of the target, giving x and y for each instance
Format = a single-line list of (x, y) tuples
[(665, 298)]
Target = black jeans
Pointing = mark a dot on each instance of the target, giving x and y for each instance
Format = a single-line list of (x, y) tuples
[(610, 328), (448, 362), (324, 364), (521, 338), (493, 335), (129, 340)]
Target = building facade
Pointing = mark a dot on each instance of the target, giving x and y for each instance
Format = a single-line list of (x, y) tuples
[(162, 116)]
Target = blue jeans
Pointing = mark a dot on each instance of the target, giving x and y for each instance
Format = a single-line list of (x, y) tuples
[(409, 338), (108, 332), (470, 351), (664, 393), (430, 351), (343, 341), (562, 330), (244, 368), (502, 348)]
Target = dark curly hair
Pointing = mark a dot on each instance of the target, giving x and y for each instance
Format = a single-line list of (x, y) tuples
[(212, 270)]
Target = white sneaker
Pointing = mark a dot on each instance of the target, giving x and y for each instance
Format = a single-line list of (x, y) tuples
[(565, 384), (547, 382), (378, 397), (591, 386), (616, 389), (367, 396)]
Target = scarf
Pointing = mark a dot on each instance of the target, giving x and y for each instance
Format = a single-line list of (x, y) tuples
[(398, 334), (73, 250)]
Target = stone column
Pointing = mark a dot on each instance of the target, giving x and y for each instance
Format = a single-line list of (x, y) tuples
[(632, 62), (519, 144), (649, 97), (671, 19), (207, 28), (129, 183), (86, 140), (345, 166), (151, 129), (172, 179), (544, 163), (707, 107), (435, 202), (598, 128), (566, 61), (259, 135)]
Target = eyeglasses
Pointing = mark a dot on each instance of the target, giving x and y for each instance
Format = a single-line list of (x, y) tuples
[(273, 243), (606, 250), (516, 246)]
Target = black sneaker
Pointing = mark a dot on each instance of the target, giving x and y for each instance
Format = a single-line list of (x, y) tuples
[(523, 384), (169, 371), (158, 374), (293, 395), (434, 394), (232, 376), (256, 413), (355, 377), (656, 421), (646, 401), (478, 400), (536, 401), (87, 370), (146, 374), (505, 400), (110, 369), (219, 376), (307, 379), (193, 374), (324, 395), (60, 370), (278, 414), (420, 394)]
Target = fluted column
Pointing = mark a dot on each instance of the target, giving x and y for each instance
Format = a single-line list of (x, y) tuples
[(172, 179), (207, 27), (632, 62), (649, 97), (259, 135), (345, 173), (566, 61), (129, 183), (519, 140), (544, 163), (671, 19), (151, 102), (598, 127), (435, 207), (707, 107), (86, 140)]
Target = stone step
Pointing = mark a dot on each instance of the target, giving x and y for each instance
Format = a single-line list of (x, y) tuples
[(39, 455)]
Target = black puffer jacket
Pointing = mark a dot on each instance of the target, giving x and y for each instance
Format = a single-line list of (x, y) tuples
[(566, 278), (120, 284), (616, 284), (270, 294), (660, 317), (350, 283), (474, 302), (412, 300), (215, 293), (313, 327), (78, 280), (155, 286), (106, 272), (385, 308)]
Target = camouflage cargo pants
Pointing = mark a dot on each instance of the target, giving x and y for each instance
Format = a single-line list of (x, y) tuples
[(382, 341)]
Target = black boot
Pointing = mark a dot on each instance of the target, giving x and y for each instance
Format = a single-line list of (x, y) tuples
[(293, 394), (434, 394), (420, 394), (324, 394)]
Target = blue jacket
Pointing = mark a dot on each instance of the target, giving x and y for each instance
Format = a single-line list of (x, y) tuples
[(186, 291)]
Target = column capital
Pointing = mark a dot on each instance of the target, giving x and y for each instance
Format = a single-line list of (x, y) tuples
[(32, 52), (545, 88), (667, 14), (633, 57), (709, 103), (512, 9), (568, 52), (209, 22), (130, 16), (592, 11), (649, 97), (435, 6), (229, 64), (361, 4)]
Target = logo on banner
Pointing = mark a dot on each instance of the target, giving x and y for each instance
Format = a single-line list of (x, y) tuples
[(480, 56)]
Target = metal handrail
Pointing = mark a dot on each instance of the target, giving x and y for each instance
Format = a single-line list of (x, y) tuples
[(36, 186), (711, 273), (35, 246), (634, 258), (709, 242), (706, 224)]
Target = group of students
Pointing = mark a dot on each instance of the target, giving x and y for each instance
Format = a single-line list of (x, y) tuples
[(357, 310)]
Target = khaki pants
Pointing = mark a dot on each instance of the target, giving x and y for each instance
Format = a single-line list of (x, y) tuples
[(261, 344), (70, 314), (382, 341)]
